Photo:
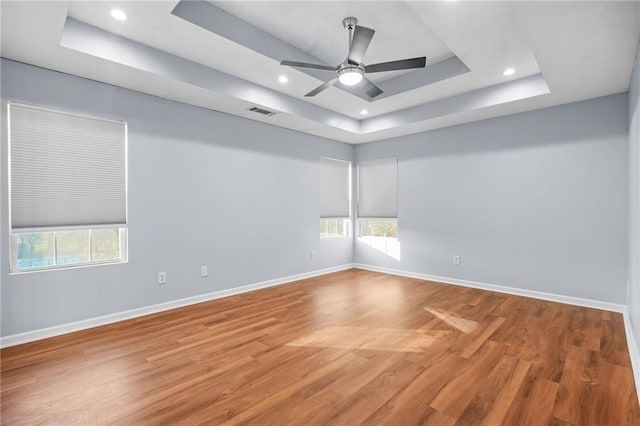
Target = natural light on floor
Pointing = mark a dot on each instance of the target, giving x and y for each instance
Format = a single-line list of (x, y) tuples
[(380, 339), (464, 325)]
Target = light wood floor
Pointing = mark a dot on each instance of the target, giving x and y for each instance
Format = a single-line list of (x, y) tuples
[(347, 348)]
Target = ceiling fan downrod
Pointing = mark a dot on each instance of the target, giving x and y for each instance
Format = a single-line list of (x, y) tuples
[(349, 23)]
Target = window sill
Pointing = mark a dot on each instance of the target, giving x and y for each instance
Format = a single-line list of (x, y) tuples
[(334, 238), (67, 267)]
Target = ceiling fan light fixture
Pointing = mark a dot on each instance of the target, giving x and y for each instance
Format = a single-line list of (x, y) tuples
[(350, 76)]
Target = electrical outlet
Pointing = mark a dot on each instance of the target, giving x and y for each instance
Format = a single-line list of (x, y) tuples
[(162, 277), (456, 259), (204, 271), (314, 254)]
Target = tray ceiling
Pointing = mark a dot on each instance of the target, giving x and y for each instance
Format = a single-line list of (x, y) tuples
[(225, 56)]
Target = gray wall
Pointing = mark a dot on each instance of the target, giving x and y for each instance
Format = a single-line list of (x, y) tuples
[(204, 189), (634, 200), (536, 200)]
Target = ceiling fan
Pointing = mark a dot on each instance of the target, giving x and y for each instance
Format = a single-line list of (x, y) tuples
[(352, 71)]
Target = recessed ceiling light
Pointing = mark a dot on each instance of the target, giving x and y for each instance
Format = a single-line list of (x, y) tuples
[(283, 79), (509, 71), (364, 112), (118, 14)]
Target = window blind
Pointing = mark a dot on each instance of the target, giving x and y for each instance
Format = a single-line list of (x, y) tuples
[(66, 170), (378, 189), (334, 188)]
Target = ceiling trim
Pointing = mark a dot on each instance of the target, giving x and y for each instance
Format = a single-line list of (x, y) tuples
[(85, 38), (94, 41), (515, 90)]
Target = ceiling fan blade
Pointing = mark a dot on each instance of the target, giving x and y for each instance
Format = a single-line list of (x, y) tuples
[(361, 38), (371, 89), (403, 64), (322, 87), (307, 65)]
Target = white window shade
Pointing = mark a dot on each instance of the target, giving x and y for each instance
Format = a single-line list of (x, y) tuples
[(66, 170), (378, 189), (334, 188)]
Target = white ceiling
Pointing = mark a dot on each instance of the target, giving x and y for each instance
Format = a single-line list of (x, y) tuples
[(562, 51)]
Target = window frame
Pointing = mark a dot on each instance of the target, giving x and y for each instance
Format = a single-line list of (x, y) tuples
[(122, 240), (348, 228), (123, 233), (395, 219)]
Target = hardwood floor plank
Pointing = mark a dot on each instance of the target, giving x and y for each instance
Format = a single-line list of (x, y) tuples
[(487, 397), (376, 393), (622, 409), (454, 398), (286, 392), (507, 393), (437, 418), (318, 402), (491, 328), (578, 377), (534, 404), (402, 407)]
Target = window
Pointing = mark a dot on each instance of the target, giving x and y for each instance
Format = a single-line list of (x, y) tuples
[(38, 250), (335, 198), (383, 228), (67, 187), (382, 235), (334, 228)]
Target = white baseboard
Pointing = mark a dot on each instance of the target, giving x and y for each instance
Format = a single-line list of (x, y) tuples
[(634, 354), (569, 300), (43, 333)]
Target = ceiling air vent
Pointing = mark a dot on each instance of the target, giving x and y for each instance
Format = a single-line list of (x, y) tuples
[(262, 111)]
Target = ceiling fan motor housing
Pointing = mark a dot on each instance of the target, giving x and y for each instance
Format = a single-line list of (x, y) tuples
[(350, 74), (349, 68)]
